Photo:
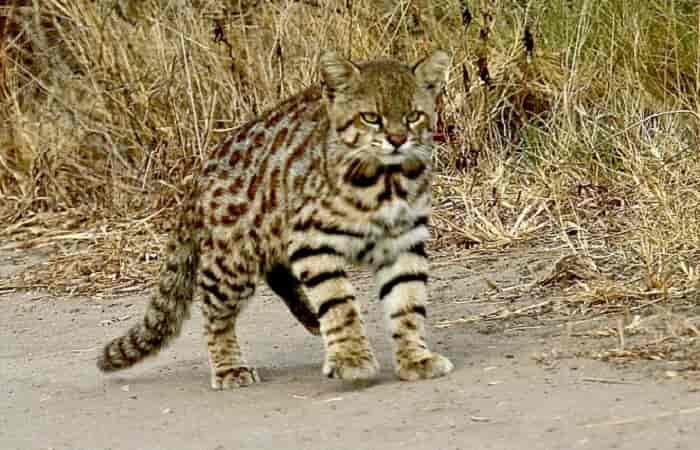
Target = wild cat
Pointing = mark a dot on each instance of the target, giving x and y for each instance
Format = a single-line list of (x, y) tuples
[(338, 174)]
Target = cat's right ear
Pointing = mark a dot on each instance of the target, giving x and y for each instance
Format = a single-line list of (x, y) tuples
[(337, 72)]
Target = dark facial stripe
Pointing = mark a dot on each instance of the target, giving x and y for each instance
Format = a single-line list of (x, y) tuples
[(306, 252), (323, 276), (416, 309), (346, 125), (404, 278), (332, 303)]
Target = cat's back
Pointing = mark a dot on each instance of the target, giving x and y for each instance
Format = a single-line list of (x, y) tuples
[(250, 174), (272, 135)]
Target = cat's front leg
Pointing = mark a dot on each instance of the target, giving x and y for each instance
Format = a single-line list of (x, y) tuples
[(403, 292), (321, 270)]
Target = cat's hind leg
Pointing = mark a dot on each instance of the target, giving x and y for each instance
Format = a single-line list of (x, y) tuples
[(227, 282)]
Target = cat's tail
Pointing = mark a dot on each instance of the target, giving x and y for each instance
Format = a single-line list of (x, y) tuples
[(167, 309)]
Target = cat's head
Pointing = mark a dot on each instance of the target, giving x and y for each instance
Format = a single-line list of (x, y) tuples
[(383, 109)]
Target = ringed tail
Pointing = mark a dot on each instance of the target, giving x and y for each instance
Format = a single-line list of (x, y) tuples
[(167, 309)]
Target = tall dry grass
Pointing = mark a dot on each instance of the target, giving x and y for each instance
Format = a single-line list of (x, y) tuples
[(572, 123)]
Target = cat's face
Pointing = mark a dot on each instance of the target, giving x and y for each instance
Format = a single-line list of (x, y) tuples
[(384, 110)]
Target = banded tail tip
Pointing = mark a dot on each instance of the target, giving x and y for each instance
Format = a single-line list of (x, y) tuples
[(105, 363)]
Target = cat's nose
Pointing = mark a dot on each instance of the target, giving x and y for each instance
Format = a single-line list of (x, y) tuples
[(396, 139)]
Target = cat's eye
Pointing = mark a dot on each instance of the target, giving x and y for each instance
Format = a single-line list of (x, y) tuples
[(413, 117), (371, 118)]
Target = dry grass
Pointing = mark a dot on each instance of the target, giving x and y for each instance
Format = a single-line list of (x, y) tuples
[(570, 124)]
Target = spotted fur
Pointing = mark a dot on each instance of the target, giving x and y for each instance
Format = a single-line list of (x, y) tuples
[(338, 174)]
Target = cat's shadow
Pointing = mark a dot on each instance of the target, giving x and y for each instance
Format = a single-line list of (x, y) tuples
[(195, 373)]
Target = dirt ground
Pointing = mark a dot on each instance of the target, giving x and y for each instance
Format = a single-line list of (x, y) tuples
[(503, 394)]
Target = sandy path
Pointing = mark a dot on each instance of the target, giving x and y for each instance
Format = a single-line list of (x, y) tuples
[(499, 397)]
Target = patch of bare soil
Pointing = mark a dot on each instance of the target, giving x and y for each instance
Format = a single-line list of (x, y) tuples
[(518, 382)]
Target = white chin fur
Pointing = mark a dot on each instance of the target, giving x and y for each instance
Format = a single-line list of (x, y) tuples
[(393, 158)]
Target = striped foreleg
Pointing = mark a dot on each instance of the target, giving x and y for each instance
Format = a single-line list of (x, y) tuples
[(321, 270), (403, 292)]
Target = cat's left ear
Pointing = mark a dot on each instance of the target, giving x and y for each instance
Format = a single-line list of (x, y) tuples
[(431, 71)]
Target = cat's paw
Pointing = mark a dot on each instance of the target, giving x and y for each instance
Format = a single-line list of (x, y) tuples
[(354, 365), (423, 366), (234, 378)]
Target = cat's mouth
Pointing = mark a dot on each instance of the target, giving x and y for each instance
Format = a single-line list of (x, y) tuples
[(390, 150)]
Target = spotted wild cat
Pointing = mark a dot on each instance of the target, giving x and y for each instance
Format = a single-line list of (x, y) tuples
[(339, 173)]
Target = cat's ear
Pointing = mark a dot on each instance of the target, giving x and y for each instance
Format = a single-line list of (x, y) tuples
[(336, 71), (431, 71)]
